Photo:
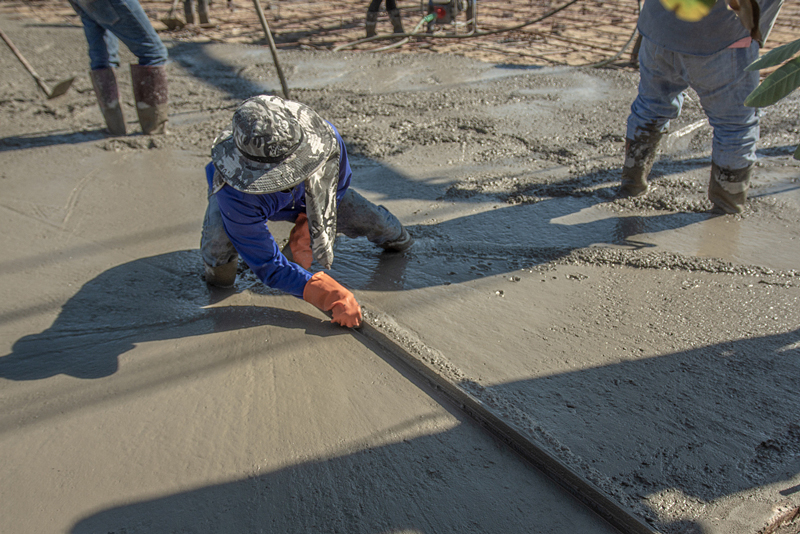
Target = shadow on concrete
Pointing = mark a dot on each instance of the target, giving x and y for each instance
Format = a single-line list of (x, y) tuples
[(156, 298), (196, 61), (436, 483), (660, 421), (447, 482), (43, 139), (494, 242), (162, 297)]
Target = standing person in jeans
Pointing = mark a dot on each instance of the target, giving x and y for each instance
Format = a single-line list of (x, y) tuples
[(709, 56), (281, 161), (106, 23), (202, 11), (394, 16)]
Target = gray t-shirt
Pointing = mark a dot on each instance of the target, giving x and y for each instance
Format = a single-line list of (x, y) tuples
[(716, 31)]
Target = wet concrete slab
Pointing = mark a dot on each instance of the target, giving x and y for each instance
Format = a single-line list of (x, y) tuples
[(648, 345)]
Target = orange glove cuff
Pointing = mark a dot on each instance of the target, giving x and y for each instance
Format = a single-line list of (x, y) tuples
[(300, 242), (328, 295)]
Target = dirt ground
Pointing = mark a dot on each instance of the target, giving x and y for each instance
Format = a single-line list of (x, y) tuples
[(585, 32), (648, 345)]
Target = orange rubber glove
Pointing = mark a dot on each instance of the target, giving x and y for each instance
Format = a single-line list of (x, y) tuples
[(328, 295), (300, 242)]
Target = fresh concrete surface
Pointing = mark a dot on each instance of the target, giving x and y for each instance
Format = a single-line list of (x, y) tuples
[(650, 346)]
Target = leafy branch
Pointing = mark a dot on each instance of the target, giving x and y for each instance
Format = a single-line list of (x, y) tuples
[(781, 82)]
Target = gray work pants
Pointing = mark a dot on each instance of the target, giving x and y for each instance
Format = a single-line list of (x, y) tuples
[(356, 217)]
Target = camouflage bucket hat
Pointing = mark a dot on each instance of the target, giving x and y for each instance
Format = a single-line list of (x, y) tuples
[(273, 144)]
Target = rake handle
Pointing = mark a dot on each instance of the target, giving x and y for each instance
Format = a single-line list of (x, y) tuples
[(21, 58)]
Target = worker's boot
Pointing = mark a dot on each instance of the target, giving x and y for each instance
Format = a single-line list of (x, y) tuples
[(187, 11), (105, 88), (220, 259), (223, 276), (372, 21), (640, 154), (400, 244), (358, 217), (202, 11), (397, 21), (150, 93), (727, 189)]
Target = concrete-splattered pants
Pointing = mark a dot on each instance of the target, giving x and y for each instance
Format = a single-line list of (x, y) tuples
[(722, 85), (356, 217)]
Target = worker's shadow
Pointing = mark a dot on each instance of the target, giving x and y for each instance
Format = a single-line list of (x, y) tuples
[(155, 298)]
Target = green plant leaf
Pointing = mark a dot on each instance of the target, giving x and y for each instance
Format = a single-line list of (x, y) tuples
[(797, 153), (776, 56), (775, 86)]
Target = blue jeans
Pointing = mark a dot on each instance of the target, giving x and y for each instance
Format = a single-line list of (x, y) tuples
[(722, 85), (106, 22)]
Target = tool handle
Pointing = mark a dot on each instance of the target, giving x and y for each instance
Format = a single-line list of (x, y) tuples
[(173, 8), (272, 47), (21, 58)]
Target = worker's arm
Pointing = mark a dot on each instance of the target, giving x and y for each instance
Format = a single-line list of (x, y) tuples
[(245, 219)]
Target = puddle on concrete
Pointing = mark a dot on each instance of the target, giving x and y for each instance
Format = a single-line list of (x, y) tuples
[(769, 242), (477, 240)]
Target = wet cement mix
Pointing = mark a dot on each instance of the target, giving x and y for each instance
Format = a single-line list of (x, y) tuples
[(649, 345)]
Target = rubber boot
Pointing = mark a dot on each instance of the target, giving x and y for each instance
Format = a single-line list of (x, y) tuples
[(150, 93), (220, 258), (400, 244), (187, 11), (358, 217), (372, 21), (105, 88), (202, 11), (223, 276), (397, 21), (727, 189), (640, 154)]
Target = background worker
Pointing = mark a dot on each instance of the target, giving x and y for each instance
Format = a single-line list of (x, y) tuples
[(394, 16), (709, 56), (281, 161), (202, 11), (105, 23)]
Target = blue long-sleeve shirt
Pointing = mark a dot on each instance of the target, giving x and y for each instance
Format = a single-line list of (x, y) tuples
[(245, 216)]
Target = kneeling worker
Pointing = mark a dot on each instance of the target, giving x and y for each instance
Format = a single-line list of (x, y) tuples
[(281, 161)]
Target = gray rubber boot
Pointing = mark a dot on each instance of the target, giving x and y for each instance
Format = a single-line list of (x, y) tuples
[(223, 276), (202, 11), (727, 189), (400, 244), (150, 93), (187, 11), (397, 21), (220, 258), (640, 154), (372, 21), (105, 88), (358, 217)]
